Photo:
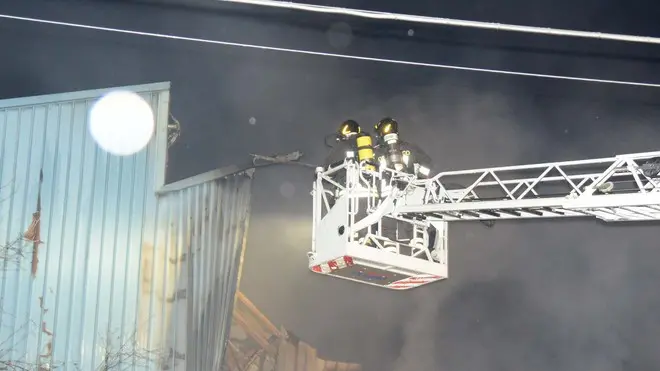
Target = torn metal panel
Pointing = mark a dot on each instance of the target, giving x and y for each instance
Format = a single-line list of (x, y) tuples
[(201, 236)]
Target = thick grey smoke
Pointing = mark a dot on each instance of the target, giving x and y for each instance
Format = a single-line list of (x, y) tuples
[(524, 295), (547, 295), (531, 295), (569, 295), (582, 306)]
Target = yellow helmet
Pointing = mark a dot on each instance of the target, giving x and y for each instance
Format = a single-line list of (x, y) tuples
[(386, 126), (348, 127)]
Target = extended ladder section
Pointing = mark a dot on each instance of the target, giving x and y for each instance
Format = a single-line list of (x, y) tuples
[(390, 229), (621, 188)]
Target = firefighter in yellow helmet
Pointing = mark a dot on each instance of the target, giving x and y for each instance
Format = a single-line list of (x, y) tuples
[(345, 145), (348, 129), (397, 154), (394, 153)]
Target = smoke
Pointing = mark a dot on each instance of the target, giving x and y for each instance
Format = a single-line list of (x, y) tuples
[(539, 295), (583, 306), (442, 120), (529, 295), (524, 295), (418, 351), (544, 295)]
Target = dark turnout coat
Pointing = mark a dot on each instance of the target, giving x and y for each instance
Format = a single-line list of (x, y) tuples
[(338, 153), (417, 155)]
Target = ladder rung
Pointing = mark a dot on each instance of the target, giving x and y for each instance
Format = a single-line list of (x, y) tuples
[(532, 211)]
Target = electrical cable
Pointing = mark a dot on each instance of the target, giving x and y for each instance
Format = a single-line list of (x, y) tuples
[(292, 158), (323, 54), (372, 14), (255, 166), (372, 59), (277, 160)]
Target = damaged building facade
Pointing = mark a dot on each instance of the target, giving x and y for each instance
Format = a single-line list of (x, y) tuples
[(104, 266)]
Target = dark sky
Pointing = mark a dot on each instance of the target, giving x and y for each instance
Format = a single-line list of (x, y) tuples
[(568, 295)]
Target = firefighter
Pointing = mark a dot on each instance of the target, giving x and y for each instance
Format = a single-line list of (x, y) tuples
[(345, 145), (399, 155), (394, 153)]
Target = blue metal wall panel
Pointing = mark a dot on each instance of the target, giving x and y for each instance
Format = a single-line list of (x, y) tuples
[(73, 292), (101, 266)]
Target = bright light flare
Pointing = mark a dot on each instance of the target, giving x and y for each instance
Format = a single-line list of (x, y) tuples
[(121, 123)]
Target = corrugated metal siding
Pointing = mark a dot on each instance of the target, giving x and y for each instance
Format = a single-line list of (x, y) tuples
[(204, 227), (81, 294), (105, 291)]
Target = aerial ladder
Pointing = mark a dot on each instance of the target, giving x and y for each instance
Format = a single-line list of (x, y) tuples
[(387, 228)]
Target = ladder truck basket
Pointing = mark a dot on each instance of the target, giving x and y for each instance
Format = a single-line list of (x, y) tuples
[(387, 228)]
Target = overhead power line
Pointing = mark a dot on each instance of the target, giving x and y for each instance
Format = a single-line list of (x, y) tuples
[(323, 54), (448, 22)]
